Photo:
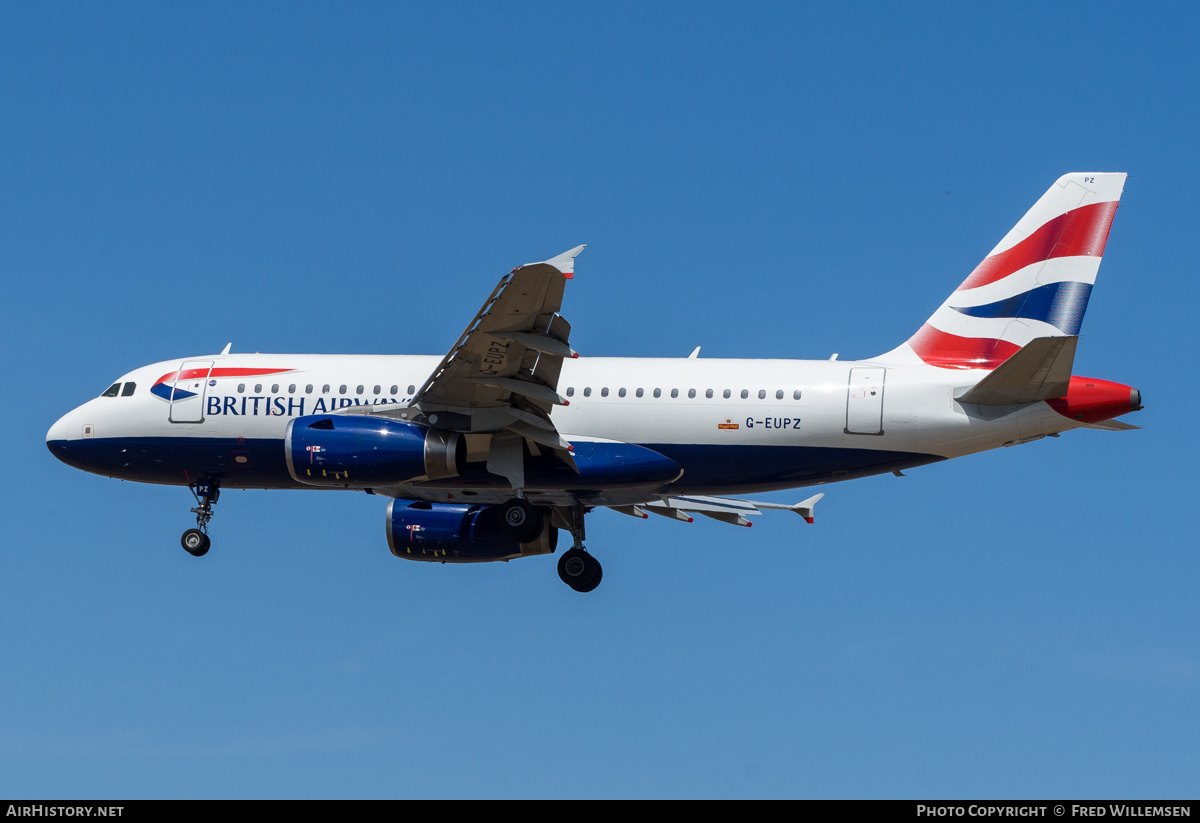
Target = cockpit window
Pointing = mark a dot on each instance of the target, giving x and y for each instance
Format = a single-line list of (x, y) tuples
[(112, 390), (129, 389)]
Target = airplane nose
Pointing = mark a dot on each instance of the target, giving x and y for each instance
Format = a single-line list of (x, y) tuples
[(56, 438), (59, 430)]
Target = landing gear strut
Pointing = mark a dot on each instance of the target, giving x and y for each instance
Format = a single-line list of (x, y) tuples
[(195, 541), (576, 567)]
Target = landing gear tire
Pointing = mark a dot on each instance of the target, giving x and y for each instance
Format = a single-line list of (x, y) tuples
[(195, 542), (596, 577), (520, 520), (580, 570)]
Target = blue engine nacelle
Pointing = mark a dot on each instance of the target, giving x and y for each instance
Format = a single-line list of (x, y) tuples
[(358, 452), (457, 533)]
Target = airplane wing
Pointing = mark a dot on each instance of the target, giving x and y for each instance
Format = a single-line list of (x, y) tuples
[(501, 376), (512, 351), (725, 509)]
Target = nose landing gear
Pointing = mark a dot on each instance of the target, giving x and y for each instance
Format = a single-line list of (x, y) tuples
[(195, 541)]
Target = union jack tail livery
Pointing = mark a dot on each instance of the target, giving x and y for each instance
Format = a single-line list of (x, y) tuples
[(1034, 284)]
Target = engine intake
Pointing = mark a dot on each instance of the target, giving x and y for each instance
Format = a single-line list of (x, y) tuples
[(458, 533), (352, 451)]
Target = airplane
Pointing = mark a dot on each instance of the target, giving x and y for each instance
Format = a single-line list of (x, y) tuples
[(487, 452)]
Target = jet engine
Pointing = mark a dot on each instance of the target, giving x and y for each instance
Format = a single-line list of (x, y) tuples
[(458, 533), (357, 452)]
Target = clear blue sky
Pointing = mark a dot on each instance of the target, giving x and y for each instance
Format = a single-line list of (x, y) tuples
[(784, 180)]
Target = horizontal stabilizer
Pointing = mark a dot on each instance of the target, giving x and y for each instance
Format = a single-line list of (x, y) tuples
[(1039, 371), (1112, 425)]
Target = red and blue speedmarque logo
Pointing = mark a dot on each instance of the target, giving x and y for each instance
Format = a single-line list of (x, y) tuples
[(168, 386)]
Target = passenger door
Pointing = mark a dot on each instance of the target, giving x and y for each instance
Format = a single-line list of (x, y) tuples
[(187, 393), (864, 401)]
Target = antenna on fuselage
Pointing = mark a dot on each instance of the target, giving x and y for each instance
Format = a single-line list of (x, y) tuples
[(228, 346), (695, 353)]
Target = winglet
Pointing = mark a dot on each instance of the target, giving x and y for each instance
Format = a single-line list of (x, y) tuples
[(565, 262), (805, 507)]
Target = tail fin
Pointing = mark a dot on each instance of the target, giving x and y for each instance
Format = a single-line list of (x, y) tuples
[(1034, 283)]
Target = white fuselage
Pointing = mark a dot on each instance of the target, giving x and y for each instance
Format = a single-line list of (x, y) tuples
[(732, 425)]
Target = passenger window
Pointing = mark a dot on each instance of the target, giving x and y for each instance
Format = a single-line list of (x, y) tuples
[(308, 389), (292, 388), (275, 388), (360, 388), (395, 389), (412, 390), (762, 394), (325, 389), (587, 392), (570, 391), (128, 390), (604, 392), (639, 392), (258, 388), (378, 389), (726, 394), (112, 391), (796, 394), (709, 394), (241, 388), (620, 392), (691, 394), (745, 394), (342, 389), (779, 394)]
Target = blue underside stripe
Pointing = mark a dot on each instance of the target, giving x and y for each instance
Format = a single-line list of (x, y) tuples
[(261, 464)]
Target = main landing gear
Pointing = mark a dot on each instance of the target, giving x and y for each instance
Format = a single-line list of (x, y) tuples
[(523, 522), (576, 567), (580, 570), (195, 541)]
